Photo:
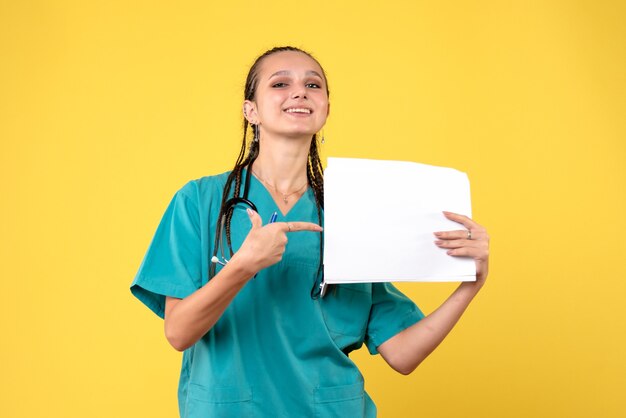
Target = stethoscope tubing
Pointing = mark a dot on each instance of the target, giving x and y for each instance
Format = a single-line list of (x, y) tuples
[(229, 206)]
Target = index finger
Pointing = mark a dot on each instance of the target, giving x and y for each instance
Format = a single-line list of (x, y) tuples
[(462, 219), (301, 226)]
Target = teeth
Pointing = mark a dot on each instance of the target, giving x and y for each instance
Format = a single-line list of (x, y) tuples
[(298, 110)]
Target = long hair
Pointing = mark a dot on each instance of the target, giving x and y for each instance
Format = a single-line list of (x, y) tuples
[(250, 150)]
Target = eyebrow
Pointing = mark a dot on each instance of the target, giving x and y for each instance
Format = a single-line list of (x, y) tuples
[(286, 72)]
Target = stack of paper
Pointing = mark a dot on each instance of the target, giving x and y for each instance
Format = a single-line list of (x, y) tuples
[(379, 219)]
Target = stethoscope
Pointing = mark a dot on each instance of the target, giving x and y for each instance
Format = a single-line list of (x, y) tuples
[(218, 257), (229, 206)]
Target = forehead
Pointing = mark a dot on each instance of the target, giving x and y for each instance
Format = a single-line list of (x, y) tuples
[(290, 61)]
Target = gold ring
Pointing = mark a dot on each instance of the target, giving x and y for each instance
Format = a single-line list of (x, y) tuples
[(469, 234), (289, 226)]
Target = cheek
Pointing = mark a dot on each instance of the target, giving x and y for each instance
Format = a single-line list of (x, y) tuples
[(269, 105), (324, 108), (324, 102), (275, 103)]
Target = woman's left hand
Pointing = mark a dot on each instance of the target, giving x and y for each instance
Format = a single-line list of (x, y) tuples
[(473, 242)]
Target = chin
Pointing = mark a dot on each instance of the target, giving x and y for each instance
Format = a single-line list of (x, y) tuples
[(300, 133)]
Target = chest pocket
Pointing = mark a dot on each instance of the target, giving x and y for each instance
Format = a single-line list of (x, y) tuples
[(346, 309)]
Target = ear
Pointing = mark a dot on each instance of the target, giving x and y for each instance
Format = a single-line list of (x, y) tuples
[(328, 109), (249, 112)]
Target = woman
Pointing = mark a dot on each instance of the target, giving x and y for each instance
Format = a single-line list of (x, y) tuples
[(258, 339)]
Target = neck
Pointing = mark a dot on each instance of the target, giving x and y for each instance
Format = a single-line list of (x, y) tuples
[(282, 162)]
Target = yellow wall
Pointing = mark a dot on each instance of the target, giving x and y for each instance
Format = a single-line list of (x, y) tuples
[(107, 108)]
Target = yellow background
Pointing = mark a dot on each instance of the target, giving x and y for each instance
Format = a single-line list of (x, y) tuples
[(108, 107)]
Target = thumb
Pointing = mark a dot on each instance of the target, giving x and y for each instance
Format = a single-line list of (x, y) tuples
[(255, 219)]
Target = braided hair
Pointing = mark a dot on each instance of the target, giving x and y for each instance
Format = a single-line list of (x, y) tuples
[(315, 177)]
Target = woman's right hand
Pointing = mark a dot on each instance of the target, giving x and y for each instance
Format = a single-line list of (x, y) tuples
[(265, 245)]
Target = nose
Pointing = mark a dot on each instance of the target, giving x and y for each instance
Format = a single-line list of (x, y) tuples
[(298, 92)]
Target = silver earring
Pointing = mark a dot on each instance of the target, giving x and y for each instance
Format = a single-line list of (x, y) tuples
[(256, 132), (323, 140)]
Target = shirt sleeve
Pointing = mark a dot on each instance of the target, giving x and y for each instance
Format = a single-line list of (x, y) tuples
[(391, 313), (172, 265)]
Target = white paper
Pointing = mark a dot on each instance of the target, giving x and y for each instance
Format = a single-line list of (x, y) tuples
[(379, 219)]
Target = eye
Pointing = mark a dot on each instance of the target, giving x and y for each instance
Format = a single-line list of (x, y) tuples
[(278, 85), (313, 85)]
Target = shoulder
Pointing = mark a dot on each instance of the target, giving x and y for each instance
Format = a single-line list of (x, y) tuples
[(203, 188)]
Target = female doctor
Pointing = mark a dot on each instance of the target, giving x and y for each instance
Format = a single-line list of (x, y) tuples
[(259, 339)]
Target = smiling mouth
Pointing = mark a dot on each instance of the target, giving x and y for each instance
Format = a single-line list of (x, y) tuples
[(300, 110)]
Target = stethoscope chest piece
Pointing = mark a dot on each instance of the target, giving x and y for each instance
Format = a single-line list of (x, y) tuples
[(323, 288)]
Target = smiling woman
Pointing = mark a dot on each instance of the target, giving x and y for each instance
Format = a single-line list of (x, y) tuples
[(259, 338), (291, 102)]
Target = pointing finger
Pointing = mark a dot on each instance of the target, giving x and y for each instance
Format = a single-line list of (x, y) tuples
[(301, 226)]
